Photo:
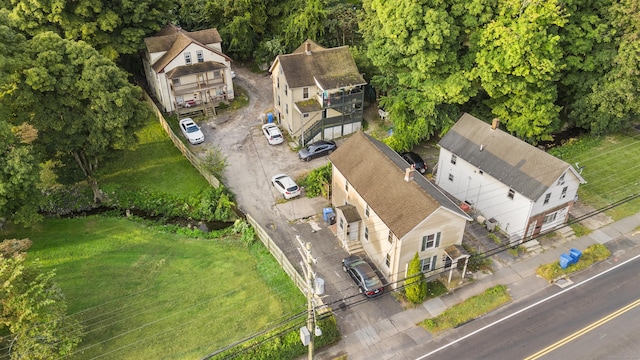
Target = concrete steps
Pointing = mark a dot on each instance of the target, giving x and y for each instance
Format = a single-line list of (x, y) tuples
[(532, 246), (566, 232)]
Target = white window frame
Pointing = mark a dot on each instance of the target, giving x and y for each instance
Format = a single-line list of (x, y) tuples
[(199, 56), (430, 241), (547, 198), (428, 264), (187, 58), (454, 159)]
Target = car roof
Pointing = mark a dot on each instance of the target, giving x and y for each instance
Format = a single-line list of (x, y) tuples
[(323, 142), (286, 180), (413, 156)]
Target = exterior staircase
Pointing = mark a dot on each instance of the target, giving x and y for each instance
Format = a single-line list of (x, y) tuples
[(532, 246), (566, 232), (354, 247)]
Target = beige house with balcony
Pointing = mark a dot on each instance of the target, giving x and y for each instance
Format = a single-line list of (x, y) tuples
[(187, 71), (389, 211), (318, 93)]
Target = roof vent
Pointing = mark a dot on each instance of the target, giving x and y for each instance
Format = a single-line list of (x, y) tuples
[(481, 147)]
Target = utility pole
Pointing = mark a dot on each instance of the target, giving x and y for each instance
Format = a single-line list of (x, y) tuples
[(305, 252)]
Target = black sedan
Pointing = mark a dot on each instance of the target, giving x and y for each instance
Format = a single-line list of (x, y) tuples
[(363, 275), (415, 160), (317, 149)]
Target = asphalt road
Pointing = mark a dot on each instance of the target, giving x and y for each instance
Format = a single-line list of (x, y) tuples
[(577, 322)]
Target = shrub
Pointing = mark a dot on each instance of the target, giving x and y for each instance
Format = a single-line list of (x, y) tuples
[(415, 286), (216, 162), (318, 182)]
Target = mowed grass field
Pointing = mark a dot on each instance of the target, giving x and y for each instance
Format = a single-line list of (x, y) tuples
[(611, 169), (144, 293)]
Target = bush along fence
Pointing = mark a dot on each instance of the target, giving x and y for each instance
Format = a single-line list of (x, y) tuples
[(193, 159)]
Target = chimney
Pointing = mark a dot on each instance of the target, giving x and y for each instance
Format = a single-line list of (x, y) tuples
[(307, 48), (495, 124), (408, 173)]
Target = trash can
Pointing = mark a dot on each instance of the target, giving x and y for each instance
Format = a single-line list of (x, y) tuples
[(332, 218), (575, 254), (565, 260), (326, 212), (491, 224), (270, 117)]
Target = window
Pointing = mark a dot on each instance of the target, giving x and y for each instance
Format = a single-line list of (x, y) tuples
[(428, 264), (366, 233), (187, 58), (176, 81), (346, 186), (286, 108), (546, 198), (511, 194), (366, 211), (278, 100), (454, 159), (390, 238), (430, 241), (285, 89), (200, 56), (305, 93), (341, 223), (388, 260), (561, 180), (550, 217), (564, 192), (278, 81), (306, 115), (450, 177)]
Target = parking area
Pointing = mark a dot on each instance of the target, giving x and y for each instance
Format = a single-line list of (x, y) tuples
[(251, 164)]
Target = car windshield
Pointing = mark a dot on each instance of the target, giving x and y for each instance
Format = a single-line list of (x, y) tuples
[(292, 188), (192, 129)]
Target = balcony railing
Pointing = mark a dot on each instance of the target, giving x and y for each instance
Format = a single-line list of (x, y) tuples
[(196, 86)]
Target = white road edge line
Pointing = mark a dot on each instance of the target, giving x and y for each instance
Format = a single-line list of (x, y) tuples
[(526, 308)]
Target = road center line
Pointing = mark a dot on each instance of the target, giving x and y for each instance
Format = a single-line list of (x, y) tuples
[(584, 330), (527, 308)]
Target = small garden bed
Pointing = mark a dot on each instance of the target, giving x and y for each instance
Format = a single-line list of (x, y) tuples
[(591, 255)]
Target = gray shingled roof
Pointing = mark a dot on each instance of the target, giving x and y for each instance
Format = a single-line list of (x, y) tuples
[(174, 40), (332, 68), (525, 168), (376, 172)]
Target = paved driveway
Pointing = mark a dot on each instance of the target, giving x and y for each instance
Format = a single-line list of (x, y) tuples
[(252, 162)]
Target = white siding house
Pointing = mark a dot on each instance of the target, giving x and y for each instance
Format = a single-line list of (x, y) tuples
[(525, 190), (187, 70)]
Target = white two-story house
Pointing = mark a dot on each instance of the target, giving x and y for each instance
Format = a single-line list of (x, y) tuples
[(391, 212), (522, 189), (318, 93), (187, 71)]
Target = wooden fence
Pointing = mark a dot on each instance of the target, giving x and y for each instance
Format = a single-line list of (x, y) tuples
[(193, 159)]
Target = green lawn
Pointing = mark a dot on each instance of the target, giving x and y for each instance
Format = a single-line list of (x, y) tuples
[(145, 294), (154, 165), (611, 169)]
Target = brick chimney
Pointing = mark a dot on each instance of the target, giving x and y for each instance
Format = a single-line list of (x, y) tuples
[(409, 172), (307, 48), (495, 124)]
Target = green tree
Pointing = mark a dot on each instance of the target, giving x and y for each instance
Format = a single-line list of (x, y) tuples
[(415, 286), (33, 311), (19, 176), (80, 102), (518, 62), (420, 49), (612, 102), (308, 22), (112, 27)]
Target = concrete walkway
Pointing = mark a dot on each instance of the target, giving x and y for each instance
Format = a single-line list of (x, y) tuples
[(401, 331)]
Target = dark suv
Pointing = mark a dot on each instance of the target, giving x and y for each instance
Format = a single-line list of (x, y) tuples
[(361, 272), (415, 159)]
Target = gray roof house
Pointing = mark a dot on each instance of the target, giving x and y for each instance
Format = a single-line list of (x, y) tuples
[(522, 189)]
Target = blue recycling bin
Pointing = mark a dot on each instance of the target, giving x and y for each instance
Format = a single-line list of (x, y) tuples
[(565, 260), (326, 212), (270, 117), (575, 254)]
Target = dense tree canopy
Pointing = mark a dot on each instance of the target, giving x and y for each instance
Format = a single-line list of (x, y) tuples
[(33, 310), (80, 102), (112, 27)]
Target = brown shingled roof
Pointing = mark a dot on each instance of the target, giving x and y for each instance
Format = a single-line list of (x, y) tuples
[(376, 172), (174, 40), (332, 68)]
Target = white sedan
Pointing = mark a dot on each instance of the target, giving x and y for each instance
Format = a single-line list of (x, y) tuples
[(191, 131), (286, 186), (272, 133)]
